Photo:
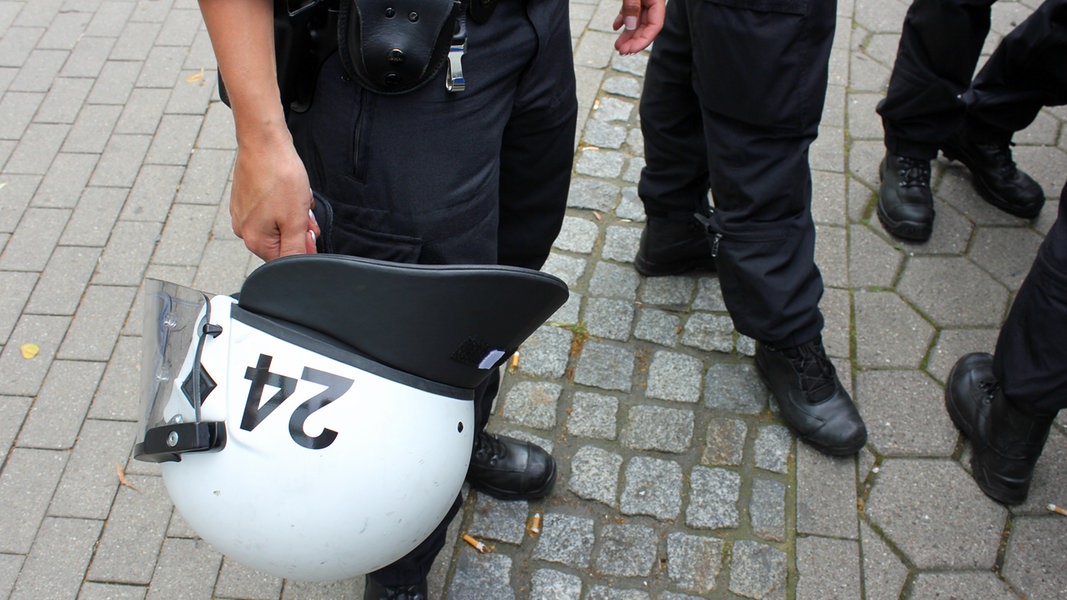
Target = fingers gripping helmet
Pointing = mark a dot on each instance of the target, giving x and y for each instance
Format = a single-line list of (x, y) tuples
[(319, 424)]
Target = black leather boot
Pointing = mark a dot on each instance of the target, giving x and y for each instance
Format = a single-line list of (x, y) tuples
[(510, 469), (1005, 441), (672, 248), (905, 203), (995, 176), (811, 398), (377, 591)]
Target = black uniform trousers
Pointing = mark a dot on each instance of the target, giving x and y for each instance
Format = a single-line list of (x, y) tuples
[(930, 91), (475, 177), (732, 100), (1030, 360)]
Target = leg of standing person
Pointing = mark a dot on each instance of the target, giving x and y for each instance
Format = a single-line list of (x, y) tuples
[(674, 183), (1005, 403), (1025, 73), (416, 178), (939, 48), (760, 76)]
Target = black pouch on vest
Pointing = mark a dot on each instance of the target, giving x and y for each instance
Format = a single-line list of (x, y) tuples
[(395, 46)]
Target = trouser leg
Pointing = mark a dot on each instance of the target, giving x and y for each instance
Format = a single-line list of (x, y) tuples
[(761, 78), (674, 181), (1030, 354), (1027, 71), (939, 48)]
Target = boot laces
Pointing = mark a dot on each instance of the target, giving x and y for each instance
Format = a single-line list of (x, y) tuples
[(817, 374), (405, 592), (989, 387), (913, 171), (488, 448)]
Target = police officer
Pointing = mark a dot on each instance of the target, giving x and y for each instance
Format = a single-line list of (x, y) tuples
[(732, 100), (1005, 403), (432, 175), (932, 104)]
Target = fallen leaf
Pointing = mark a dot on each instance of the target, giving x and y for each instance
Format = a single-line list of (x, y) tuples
[(29, 350), (195, 77), (122, 478)]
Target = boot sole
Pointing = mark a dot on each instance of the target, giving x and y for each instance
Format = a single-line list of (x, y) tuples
[(990, 196), (536, 494), (907, 230)]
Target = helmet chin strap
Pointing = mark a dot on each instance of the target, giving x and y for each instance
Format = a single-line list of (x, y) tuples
[(206, 328)]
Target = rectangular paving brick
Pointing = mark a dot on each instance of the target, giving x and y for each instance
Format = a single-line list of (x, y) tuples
[(87, 57), (65, 180), (91, 479), (17, 286), (96, 326), (13, 410), (31, 245), (22, 376), (62, 282), (187, 569), (94, 217), (27, 482), (56, 565), (127, 253), (119, 394), (130, 545), (60, 406)]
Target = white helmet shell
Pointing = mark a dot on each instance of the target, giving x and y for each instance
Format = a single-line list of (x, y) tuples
[(304, 457)]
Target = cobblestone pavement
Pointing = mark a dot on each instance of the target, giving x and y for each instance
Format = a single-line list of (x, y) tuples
[(677, 479)]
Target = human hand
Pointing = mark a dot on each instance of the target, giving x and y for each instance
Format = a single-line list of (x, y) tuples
[(641, 21), (270, 205)]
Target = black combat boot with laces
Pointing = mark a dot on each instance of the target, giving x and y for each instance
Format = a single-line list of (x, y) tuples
[(996, 177), (510, 469), (811, 398), (905, 203)]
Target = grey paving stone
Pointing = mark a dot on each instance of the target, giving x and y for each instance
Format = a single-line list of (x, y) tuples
[(23, 377), (17, 288), (1009, 268), (889, 333), (934, 513), (657, 326), (217, 132), (614, 281), (142, 111), (92, 128), (13, 411), (66, 178), (633, 64), (883, 571), (191, 97), (961, 585), (31, 245), (577, 235), (952, 291), (709, 332), (630, 207), (605, 366), (713, 497), (873, 262), (36, 148), (767, 509), (908, 418), (567, 268), (568, 314), (593, 194), (1048, 485), (593, 416), (724, 442), (87, 57), (27, 482), (595, 474), (56, 564), (499, 520), (18, 109), (653, 487), (224, 267), (533, 403), (658, 428), (771, 450), (60, 406), (132, 539), (565, 539), (162, 67), (951, 344), (120, 161), (709, 295), (828, 569), (105, 591), (613, 110), (97, 324), (186, 233), (135, 41), (735, 388), (622, 85), (174, 140), (609, 318), (118, 396), (10, 565), (1029, 564), (64, 100), (600, 592), (88, 486), (626, 550), (621, 243), (757, 570), (238, 581), (675, 376), (549, 584), (826, 494), (831, 255), (186, 569), (693, 561), (601, 134), (546, 352), (675, 292), (348, 589)]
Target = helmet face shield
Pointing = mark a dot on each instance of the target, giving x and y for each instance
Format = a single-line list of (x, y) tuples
[(173, 384)]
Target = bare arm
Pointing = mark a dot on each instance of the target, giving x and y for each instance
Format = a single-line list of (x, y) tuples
[(271, 196)]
